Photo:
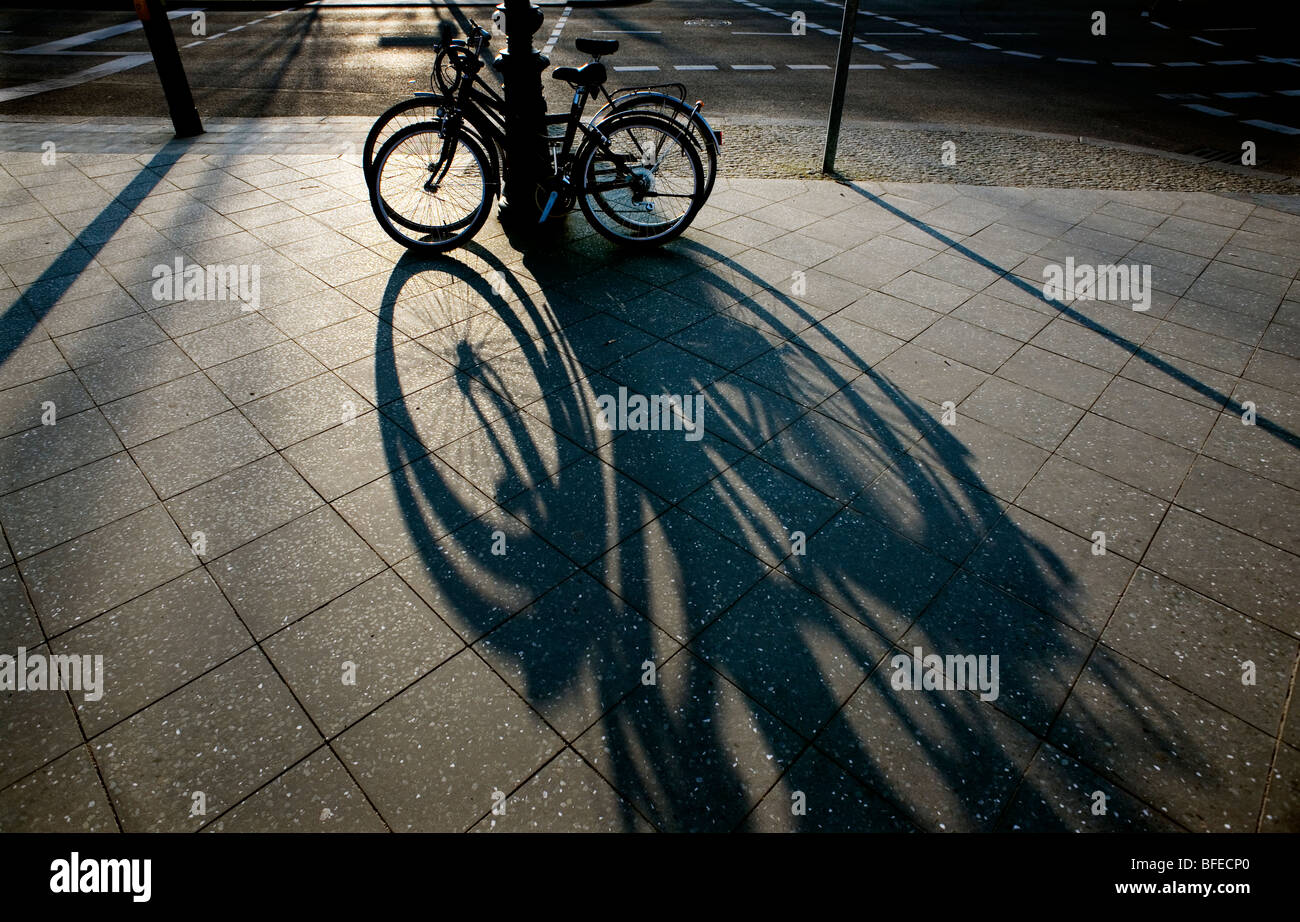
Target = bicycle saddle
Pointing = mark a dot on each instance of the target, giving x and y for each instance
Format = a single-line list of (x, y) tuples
[(592, 74), (597, 46)]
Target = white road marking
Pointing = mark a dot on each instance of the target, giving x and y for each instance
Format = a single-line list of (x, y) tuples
[(695, 66), (1289, 92), (1270, 126), (555, 33), (809, 66), (1229, 63), (125, 62), (627, 31), (866, 67), (1075, 61), (1208, 110), (1023, 54), (1240, 94), (86, 38), (752, 67), (916, 65), (1183, 64), (1197, 38), (1131, 64), (986, 46), (627, 67)]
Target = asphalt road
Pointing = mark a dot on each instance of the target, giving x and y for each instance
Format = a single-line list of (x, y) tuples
[(1211, 84)]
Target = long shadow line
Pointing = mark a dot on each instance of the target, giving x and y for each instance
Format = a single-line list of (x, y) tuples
[(23, 316), (1102, 330)]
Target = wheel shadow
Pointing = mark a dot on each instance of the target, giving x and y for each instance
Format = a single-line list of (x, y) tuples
[(774, 667)]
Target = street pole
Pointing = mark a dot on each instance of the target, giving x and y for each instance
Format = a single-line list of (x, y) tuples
[(847, 28), (521, 67), (167, 58)]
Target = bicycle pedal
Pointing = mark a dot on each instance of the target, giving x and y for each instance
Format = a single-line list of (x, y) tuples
[(550, 203)]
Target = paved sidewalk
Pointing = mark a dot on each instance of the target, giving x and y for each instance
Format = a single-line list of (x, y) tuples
[(362, 558)]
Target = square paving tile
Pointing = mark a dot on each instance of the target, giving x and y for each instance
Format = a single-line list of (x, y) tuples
[(565, 796), (297, 568), (316, 795), (1165, 745), (382, 628), (431, 759), (194, 741), (691, 752)]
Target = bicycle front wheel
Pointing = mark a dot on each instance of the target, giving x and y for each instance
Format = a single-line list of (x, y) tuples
[(642, 185), (431, 193)]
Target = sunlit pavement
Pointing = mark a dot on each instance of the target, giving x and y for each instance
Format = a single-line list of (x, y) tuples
[(359, 554)]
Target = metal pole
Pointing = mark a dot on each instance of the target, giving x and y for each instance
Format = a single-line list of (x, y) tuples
[(167, 58), (522, 67), (841, 83)]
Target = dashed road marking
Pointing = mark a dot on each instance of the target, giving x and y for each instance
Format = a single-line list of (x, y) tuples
[(632, 67), (559, 27), (1208, 110), (1270, 126), (809, 66), (751, 67), (695, 66), (1197, 38)]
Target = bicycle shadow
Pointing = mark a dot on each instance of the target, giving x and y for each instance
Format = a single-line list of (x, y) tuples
[(643, 547)]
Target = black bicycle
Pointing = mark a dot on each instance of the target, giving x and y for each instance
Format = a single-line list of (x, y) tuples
[(636, 174)]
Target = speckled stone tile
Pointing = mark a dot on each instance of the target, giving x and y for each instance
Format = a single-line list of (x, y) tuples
[(835, 459), (154, 644), (816, 795), (383, 628), (1021, 411), (1130, 456), (585, 509), (1282, 806), (264, 372), (678, 572), (106, 567), (431, 758), (691, 752), (165, 408), (1083, 501), (1038, 657), (747, 414), (948, 760), (565, 796), (1053, 570), (246, 503), (980, 455), (343, 458), (22, 407), (19, 626), (939, 512), (298, 567), (759, 507), (512, 455), (316, 795), (71, 504), (194, 740), (412, 507), (37, 725), (193, 455), (576, 651), (1165, 745), (475, 589), (1203, 646), (794, 653), (869, 571), (64, 796), (1060, 795), (36, 454), (1255, 578), (305, 409)]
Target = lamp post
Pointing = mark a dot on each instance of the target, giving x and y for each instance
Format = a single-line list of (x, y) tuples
[(167, 58), (522, 67)]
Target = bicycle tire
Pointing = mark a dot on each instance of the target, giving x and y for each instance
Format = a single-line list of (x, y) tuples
[(622, 205), (406, 215), (697, 129)]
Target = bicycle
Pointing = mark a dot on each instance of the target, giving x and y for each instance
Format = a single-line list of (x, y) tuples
[(446, 74), (635, 174)]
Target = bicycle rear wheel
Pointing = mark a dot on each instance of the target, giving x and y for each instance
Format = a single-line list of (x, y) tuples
[(688, 117), (431, 193), (645, 184)]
